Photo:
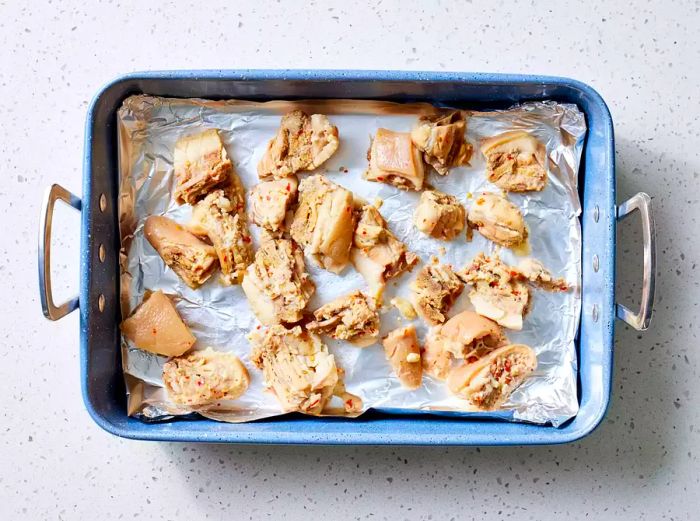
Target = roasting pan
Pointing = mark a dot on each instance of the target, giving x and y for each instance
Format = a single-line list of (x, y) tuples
[(98, 301)]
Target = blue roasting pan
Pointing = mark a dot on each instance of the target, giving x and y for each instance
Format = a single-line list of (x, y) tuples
[(101, 372)]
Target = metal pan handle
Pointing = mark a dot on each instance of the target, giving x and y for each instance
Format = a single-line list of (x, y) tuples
[(53, 193), (642, 202)]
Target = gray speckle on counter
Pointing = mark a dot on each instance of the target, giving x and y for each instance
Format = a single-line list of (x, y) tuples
[(642, 463)]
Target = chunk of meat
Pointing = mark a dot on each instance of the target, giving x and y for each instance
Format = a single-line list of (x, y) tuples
[(515, 161), (377, 254), (270, 202), (434, 292), (394, 159), (442, 140), (489, 382), (190, 258), (403, 352), (205, 377), (301, 143), (276, 284), (469, 336), (537, 274), (324, 222), (297, 366), (437, 361), (227, 229), (352, 317), (499, 291), (200, 163), (439, 215), (155, 326), (497, 219)]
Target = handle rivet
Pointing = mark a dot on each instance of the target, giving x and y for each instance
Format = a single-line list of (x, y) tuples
[(103, 254), (596, 213), (596, 263), (594, 312), (101, 302), (103, 203)]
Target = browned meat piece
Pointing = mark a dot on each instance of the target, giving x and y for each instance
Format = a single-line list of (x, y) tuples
[(193, 260), (270, 202), (439, 215), (205, 377), (324, 221), (227, 229), (434, 292), (297, 367), (515, 161), (156, 326), (489, 382), (377, 254), (201, 163), (538, 275), (497, 219), (301, 143), (395, 160), (470, 336), (276, 284), (403, 352), (352, 317), (441, 138), (499, 291), (437, 360)]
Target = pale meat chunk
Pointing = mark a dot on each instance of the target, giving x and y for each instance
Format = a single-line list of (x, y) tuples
[(270, 202), (324, 221), (301, 143), (437, 361), (469, 336), (352, 317), (377, 254), (442, 140), (205, 377), (435, 290), (499, 291), (190, 258), (394, 159), (297, 366), (488, 383), (200, 163), (155, 326), (439, 215), (497, 219), (515, 161), (227, 229), (403, 352), (276, 284), (537, 274)]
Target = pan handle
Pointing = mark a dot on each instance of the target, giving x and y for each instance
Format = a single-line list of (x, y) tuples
[(53, 193), (642, 202)]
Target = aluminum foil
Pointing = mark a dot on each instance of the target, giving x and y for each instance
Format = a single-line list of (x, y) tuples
[(219, 316)]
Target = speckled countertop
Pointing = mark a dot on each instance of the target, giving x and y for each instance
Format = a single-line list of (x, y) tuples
[(642, 463)]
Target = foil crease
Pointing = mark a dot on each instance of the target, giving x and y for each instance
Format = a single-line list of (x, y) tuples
[(219, 316)]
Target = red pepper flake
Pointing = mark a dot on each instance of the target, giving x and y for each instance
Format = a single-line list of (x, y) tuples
[(380, 178), (364, 232), (267, 197), (514, 273), (507, 365), (247, 239), (155, 330), (349, 404), (199, 383), (472, 359), (509, 379), (289, 187), (493, 283), (258, 326)]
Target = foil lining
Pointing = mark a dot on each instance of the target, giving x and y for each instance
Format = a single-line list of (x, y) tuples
[(219, 316)]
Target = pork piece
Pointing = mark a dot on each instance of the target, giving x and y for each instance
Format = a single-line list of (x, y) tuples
[(276, 284), (353, 317), (270, 202), (227, 229), (441, 139), (403, 352), (324, 222), (155, 326), (377, 254), (537, 274), (394, 159), (205, 377), (437, 361), (497, 219), (190, 258), (489, 382), (301, 143), (434, 292), (201, 163), (297, 366), (515, 161), (439, 215), (469, 336), (499, 293)]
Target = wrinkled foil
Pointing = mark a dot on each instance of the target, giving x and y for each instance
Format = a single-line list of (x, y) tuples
[(220, 317)]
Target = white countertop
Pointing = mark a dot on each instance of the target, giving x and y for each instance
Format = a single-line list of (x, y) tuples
[(642, 463)]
